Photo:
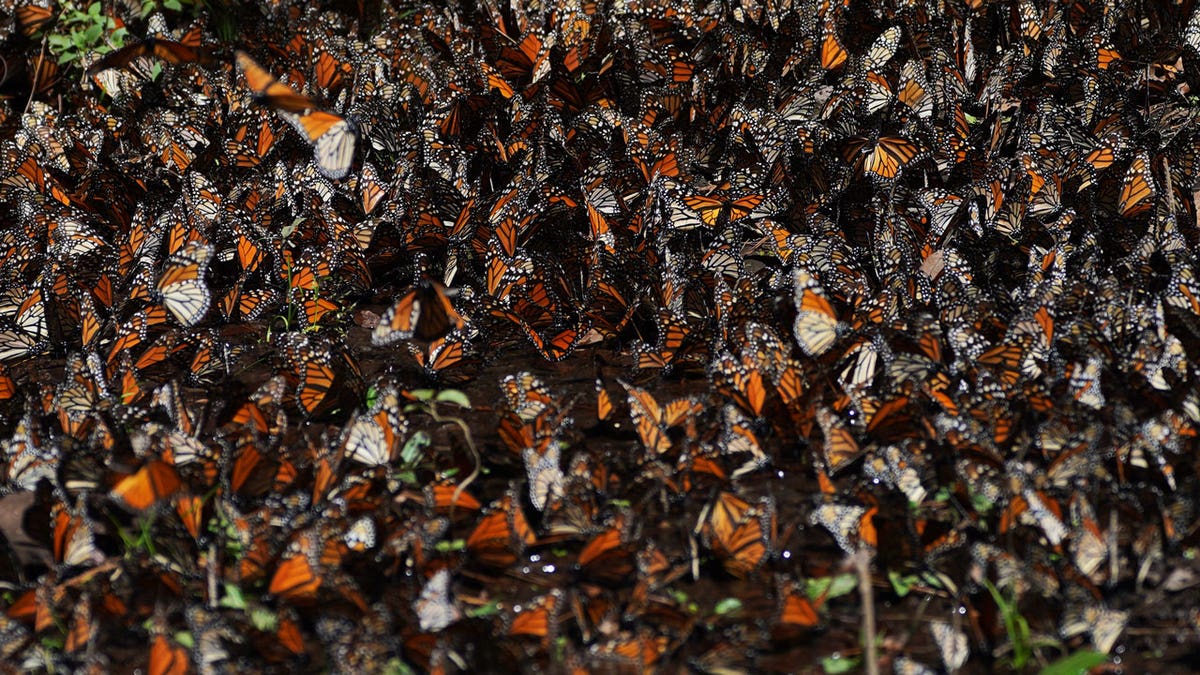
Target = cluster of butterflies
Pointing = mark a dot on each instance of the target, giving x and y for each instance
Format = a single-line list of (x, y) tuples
[(902, 277)]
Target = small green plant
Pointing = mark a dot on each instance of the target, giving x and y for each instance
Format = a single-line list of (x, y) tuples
[(426, 401), (836, 663), (141, 538), (491, 608), (79, 32), (1015, 624), (1077, 663)]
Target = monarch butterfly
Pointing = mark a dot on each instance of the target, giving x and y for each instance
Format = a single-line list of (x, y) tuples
[(371, 188), (442, 355), (882, 49), (673, 335), (604, 404), (296, 579), (1138, 190), (1089, 546), (528, 396), (447, 497), (425, 312), (360, 536), (850, 525), (74, 541), (833, 54), (501, 535), (1084, 382), (556, 344), (714, 211), (181, 283), (816, 326), (608, 557), (943, 208), (168, 657), (741, 381), (33, 17), (882, 160), (740, 437), (165, 50), (333, 137), (311, 365), (544, 474), (840, 446), (151, 484), (798, 611), (912, 90), (654, 421), (739, 535), (373, 438), (537, 618), (877, 92), (435, 610), (83, 627)]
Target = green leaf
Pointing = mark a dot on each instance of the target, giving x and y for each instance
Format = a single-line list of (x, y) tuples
[(1078, 663), (414, 447), (233, 598), (838, 664), (490, 609), (185, 639), (831, 587), (264, 619), (173, 5), (727, 606), (372, 396), (453, 396), (423, 394), (93, 33), (902, 585), (397, 667), (93, 10), (450, 546)]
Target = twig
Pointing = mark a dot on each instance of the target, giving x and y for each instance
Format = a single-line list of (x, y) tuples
[(466, 431), (861, 561), (37, 71), (212, 575)]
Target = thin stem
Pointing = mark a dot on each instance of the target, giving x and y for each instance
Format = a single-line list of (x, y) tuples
[(466, 431)]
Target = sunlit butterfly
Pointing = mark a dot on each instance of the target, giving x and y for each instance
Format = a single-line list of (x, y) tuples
[(740, 535), (333, 137), (654, 422), (181, 283), (953, 644), (883, 158), (715, 211), (816, 326), (1138, 190), (435, 609), (544, 474), (374, 437), (149, 485), (537, 618)]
